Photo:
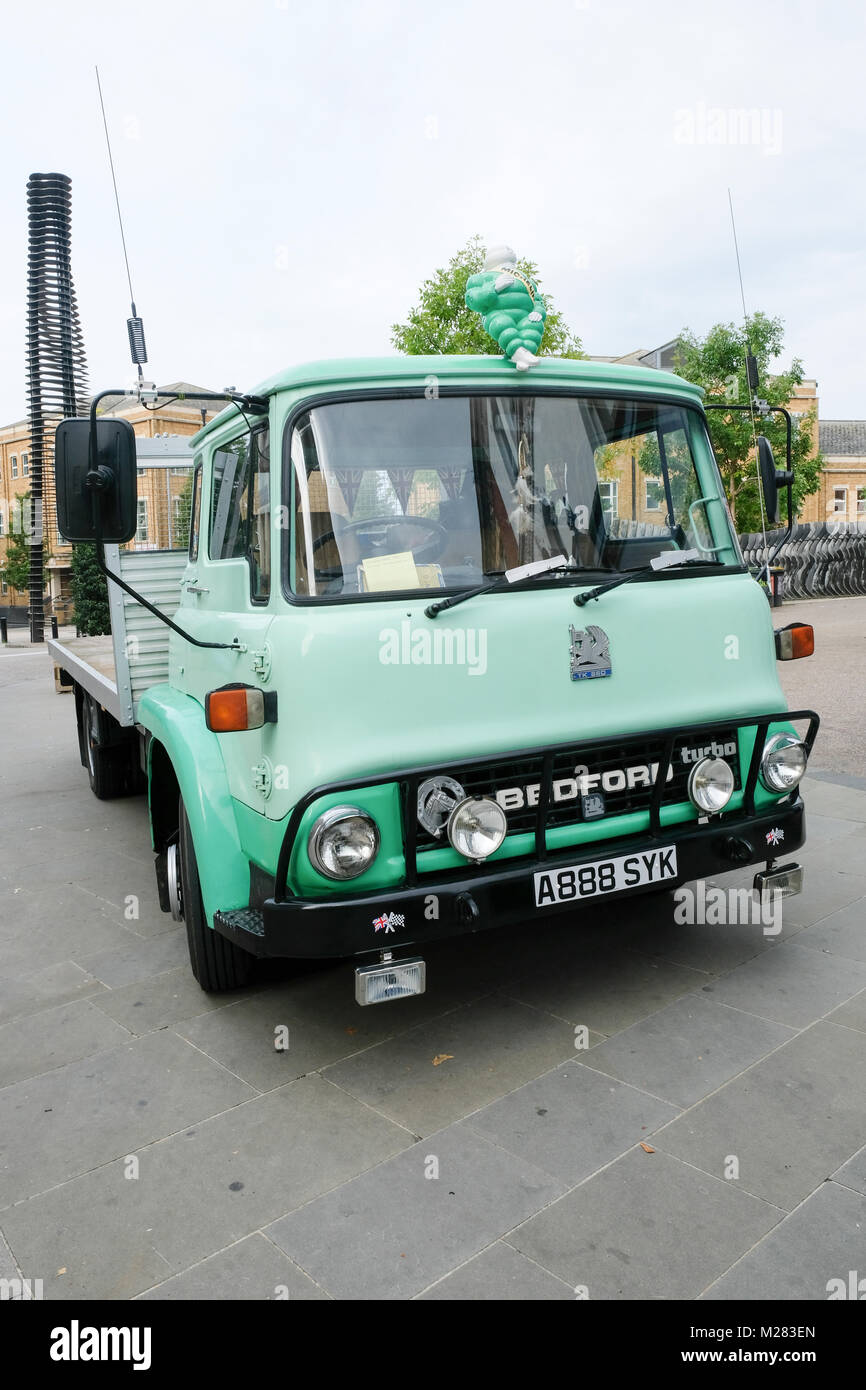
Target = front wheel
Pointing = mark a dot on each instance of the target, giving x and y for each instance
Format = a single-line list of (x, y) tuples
[(216, 963)]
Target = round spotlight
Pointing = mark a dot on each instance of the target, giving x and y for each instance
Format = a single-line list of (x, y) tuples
[(783, 763), (711, 785), (476, 827), (343, 842)]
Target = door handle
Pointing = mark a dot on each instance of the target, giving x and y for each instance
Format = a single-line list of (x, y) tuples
[(193, 588)]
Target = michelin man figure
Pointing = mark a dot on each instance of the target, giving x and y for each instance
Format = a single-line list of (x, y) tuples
[(512, 311)]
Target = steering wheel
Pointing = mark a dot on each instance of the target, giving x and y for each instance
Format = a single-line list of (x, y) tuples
[(373, 533)]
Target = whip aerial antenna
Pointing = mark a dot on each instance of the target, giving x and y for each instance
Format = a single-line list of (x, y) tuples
[(752, 383), (134, 324)]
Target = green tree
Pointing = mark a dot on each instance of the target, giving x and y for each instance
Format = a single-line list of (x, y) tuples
[(15, 569), (717, 362), (89, 592), (441, 323)]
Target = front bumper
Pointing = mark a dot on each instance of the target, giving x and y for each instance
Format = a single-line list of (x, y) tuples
[(437, 909)]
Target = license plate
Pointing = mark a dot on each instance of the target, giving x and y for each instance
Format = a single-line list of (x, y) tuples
[(605, 876)]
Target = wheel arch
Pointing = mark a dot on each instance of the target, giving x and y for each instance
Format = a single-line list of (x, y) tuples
[(184, 759)]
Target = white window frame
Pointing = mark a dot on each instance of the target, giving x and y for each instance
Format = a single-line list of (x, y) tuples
[(139, 537), (611, 509), (13, 465), (861, 501), (25, 465), (837, 510), (659, 483)]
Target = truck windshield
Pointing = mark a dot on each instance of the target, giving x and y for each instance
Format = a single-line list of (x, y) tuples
[(395, 495)]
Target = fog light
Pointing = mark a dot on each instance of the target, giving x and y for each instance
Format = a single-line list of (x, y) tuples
[(375, 984), (711, 785), (343, 842), (477, 827), (783, 763)]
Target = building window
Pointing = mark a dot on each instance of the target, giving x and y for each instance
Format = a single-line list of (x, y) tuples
[(861, 501), (608, 496), (840, 500), (13, 466), (141, 532), (25, 465), (4, 587), (1, 523), (654, 495)]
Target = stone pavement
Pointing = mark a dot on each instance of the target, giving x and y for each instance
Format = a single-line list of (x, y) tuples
[(706, 1143)]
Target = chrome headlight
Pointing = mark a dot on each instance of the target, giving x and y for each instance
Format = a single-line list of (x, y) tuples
[(783, 763), (343, 842), (711, 785), (476, 827)]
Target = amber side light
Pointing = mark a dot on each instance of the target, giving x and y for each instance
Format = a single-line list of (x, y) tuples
[(795, 640), (236, 707)]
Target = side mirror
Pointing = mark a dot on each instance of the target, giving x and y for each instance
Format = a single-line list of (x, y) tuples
[(769, 484), (112, 481)]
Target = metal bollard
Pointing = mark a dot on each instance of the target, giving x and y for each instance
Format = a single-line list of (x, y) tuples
[(54, 632), (4, 631)]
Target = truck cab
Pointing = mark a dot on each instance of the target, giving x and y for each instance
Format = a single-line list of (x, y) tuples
[(484, 648)]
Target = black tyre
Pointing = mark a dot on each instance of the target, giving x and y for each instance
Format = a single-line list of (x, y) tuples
[(216, 963), (107, 766)]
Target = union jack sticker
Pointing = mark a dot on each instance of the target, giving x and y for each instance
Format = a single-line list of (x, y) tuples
[(388, 921)]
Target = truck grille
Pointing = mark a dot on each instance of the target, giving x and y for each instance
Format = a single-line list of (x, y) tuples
[(622, 774)]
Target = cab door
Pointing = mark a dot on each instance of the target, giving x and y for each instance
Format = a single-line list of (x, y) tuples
[(226, 593)]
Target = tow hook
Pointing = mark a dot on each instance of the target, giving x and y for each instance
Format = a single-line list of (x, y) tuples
[(738, 849), (466, 909)]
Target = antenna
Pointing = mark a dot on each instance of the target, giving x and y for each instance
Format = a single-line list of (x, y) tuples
[(134, 325), (752, 382)]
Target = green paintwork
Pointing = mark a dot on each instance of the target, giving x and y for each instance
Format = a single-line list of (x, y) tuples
[(343, 713)]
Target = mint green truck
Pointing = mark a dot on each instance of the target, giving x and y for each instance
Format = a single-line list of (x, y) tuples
[(452, 647)]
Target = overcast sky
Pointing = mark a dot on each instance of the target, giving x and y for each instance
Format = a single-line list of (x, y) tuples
[(290, 171)]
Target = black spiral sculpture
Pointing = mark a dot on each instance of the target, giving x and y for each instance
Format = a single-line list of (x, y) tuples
[(56, 365)]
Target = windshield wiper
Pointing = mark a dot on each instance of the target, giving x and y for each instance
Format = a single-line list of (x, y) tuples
[(670, 559), (535, 569)]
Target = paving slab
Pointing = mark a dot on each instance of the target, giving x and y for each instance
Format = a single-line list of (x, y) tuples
[(130, 958), (252, 1269), (164, 999), (322, 1021), (498, 1274), (394, 1231), (852, 1014), (688, 1049), (53, 1038), (22, 995), (853, 1173), (50, 925), (647, 1227), (790, 1120), (571, 1121), (443, 1070), (197, 1191), (605, 990), (809, 1255), (790, 984), (56, 1126), (843, 933)]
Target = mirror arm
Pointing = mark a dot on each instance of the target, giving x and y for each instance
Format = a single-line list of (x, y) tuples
[(157, 613), (97, 480)]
